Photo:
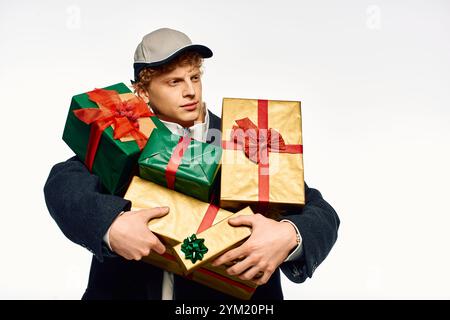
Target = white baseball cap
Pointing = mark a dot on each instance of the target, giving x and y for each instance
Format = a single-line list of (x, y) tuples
[(163, 45)]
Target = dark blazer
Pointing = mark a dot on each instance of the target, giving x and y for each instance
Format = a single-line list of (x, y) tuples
[(84, 212)]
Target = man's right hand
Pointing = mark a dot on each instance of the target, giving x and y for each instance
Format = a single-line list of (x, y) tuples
[(130, 237)]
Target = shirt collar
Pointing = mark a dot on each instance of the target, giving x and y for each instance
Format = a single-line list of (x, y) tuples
[(197, 132)]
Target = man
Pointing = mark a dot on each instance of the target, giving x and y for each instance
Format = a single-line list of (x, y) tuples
[(168, 77)]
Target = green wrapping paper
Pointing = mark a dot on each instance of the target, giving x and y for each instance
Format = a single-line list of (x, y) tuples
[(115, 160), (196, 173)]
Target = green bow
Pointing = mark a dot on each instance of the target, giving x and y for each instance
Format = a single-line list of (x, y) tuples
[(193, 248)]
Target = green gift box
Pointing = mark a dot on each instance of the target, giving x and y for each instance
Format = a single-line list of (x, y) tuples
[(107, 129), (182, 164)]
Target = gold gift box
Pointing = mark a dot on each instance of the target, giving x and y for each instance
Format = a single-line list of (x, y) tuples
[(183, 219), (219, 238), (216, 278), (241, 178)]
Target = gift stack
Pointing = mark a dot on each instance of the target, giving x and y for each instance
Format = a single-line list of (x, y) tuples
[(134, 154), (194, 233), (181, 173)]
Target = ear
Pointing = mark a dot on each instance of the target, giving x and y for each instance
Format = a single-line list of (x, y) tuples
[(143, 94)]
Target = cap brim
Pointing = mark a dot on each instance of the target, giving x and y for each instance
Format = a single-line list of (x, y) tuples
[(204, 51)]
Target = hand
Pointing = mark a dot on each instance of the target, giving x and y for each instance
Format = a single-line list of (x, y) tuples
[(130, 236), (268, 246)]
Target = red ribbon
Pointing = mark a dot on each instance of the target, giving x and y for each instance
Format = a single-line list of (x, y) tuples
[(213, 274), (112, 111), (171, 170), (209, 216), (175, 160), (224, 279), (257, 142)]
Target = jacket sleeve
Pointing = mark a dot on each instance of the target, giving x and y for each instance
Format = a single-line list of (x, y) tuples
[(80, 207), (318, 224)]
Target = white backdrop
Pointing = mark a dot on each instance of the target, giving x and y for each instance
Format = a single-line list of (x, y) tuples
[(373, 78)]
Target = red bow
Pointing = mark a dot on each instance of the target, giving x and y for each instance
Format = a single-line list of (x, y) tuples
[(255, 140), (112, 111)]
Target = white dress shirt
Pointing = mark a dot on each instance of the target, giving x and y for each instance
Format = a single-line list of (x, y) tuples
[(199, 132)]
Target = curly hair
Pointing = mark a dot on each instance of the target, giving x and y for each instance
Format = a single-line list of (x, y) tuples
[(146, 75)]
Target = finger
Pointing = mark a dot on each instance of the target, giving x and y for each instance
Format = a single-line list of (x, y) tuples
[(230, 256), (251, 273), (157, 245), (148, 214), (263, 279), (242, 221), (241, 267)]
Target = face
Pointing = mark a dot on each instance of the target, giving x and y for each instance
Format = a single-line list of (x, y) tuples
[(177, 96)]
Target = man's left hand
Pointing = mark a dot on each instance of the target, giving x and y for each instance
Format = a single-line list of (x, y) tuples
[(268, 246)]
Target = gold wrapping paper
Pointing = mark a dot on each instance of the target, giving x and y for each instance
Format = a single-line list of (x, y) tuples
[(239, 175), (236, 287), (167, 262), (219, 238), (214, 277), (184, 217)]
